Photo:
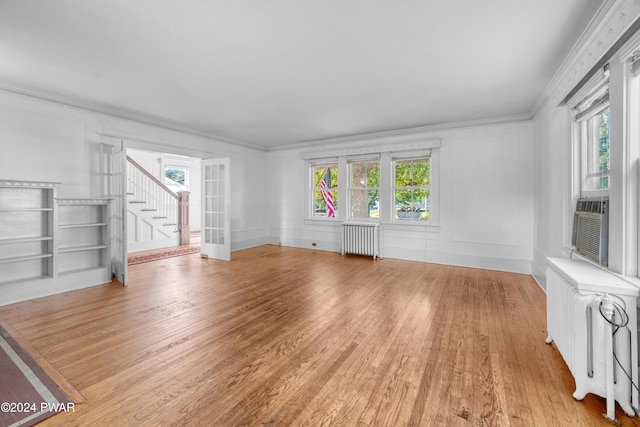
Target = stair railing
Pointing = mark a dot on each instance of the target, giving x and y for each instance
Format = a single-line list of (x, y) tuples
[(158, 199)]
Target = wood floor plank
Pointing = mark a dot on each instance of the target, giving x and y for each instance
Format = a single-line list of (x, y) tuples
[(282, 336)]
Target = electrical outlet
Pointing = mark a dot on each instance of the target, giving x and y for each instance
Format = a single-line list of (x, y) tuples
[(314, 244)]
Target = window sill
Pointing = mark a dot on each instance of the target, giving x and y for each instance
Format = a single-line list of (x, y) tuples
[(323, 221), (594, 194)]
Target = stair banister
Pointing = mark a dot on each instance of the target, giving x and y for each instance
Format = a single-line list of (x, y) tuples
[(171, 207)]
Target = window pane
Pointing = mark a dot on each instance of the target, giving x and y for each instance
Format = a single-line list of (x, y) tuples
[(412, 172), (176, 179), (412, 204), (597, 152), (412, 189), (403, 173), (365, 174), (421, 172), (326, 173), (364, 203), (325, 190), (358, 174), (325, 203)]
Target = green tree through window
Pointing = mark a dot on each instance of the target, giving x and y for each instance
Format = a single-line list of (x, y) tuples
[(412, 188), (603, 146), (176, 175), (320, 208)]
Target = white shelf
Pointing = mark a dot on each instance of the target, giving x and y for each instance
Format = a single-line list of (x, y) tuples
[(78, 248), (34, 279), (93, 224), (83, 232), (26, 209), (24, 258), (28, 184), (25, 239), (84, 201), (44, 237), (27, 227)]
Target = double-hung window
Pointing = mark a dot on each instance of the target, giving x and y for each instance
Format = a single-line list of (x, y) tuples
[(364, 189), (592, 119), (325, 190), (412, 188)]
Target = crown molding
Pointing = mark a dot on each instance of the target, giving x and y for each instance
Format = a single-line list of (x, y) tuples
[(405, 135), (121, 113), (611, 21), (630, 48)]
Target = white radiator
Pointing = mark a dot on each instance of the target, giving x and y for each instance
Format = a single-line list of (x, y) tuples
[(361, 238), (578, 294)]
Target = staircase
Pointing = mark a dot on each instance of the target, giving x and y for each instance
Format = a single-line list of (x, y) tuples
[(156, 216)]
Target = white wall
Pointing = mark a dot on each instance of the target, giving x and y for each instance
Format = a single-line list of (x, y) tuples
[(486, 200), (41, 143), (552, 177)]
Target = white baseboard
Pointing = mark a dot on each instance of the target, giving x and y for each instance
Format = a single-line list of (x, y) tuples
[(36, 288), (253, 242)]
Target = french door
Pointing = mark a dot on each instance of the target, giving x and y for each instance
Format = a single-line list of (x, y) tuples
[(114, 185), (216, 236)]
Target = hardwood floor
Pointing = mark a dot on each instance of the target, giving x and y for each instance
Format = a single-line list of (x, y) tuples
[(291, 337)]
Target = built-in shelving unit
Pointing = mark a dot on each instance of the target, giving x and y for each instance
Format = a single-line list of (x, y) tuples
[(83, 232), (27, 230), (50, 244)]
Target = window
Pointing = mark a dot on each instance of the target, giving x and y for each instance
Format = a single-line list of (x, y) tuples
[(176, 178), (412, 188), (595, 166), (325, 190), (397, 184), (592, 117), (365, 189)]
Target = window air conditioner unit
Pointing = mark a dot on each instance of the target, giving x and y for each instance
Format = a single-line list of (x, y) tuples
[(591, 229)]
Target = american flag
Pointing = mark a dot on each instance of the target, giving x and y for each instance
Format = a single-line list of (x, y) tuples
[(326, 194)]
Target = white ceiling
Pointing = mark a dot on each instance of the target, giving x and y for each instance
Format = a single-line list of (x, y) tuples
[(274, 73)]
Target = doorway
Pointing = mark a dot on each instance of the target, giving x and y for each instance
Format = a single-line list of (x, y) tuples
[(152, 234)]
